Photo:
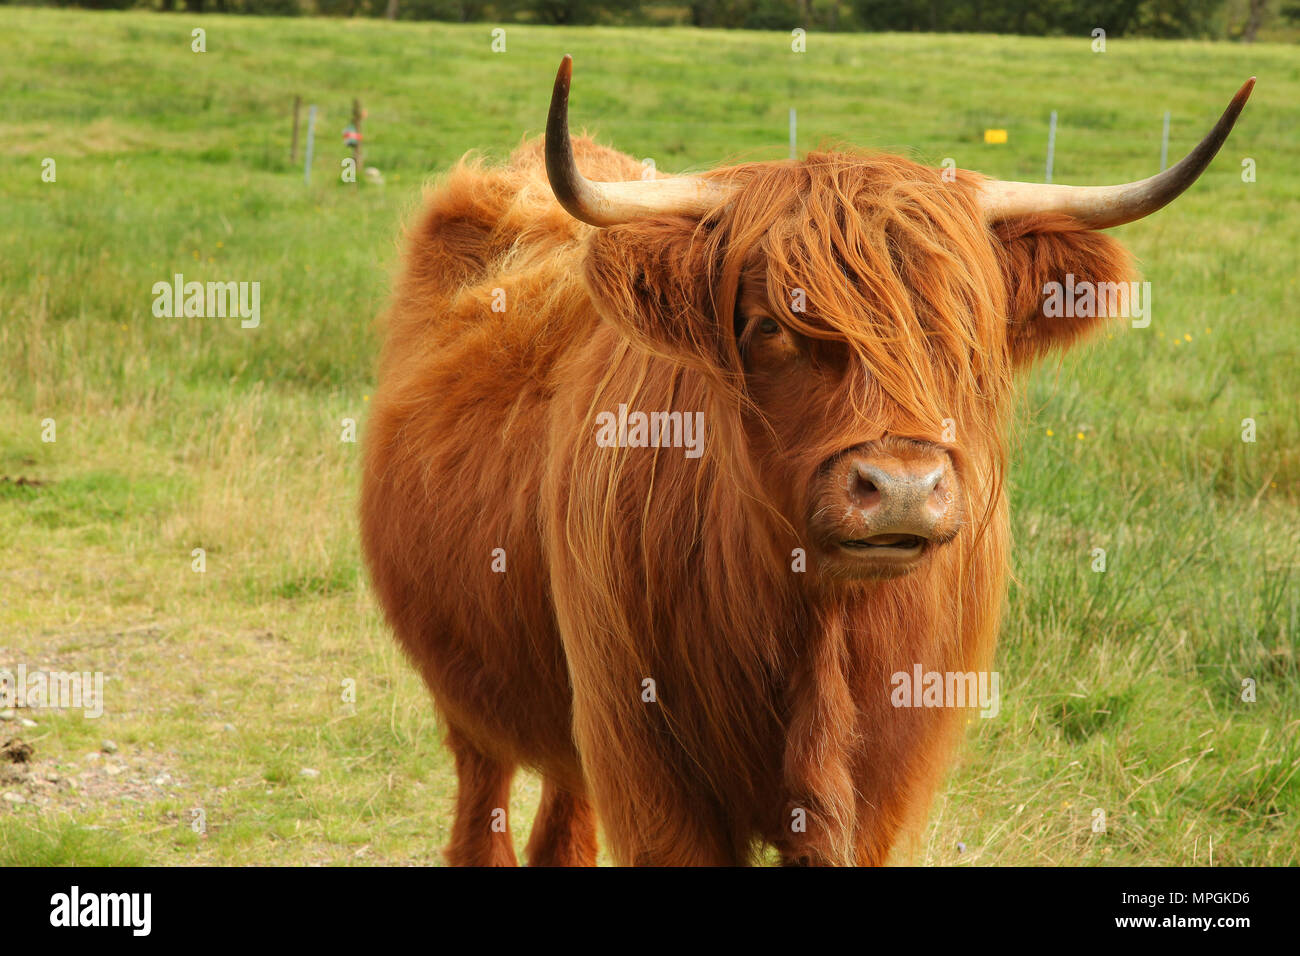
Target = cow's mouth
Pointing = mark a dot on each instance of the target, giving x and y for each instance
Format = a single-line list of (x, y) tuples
[(887, 545)]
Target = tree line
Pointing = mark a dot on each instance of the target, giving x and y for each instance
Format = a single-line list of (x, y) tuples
[(1214, 19)]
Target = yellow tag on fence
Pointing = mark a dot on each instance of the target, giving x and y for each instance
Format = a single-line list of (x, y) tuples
[(995, 136)]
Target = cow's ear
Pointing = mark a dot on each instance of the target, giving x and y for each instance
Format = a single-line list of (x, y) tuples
[(653, 281), (1038, 251)]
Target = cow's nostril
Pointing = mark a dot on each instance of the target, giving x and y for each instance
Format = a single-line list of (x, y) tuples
[(931, 483), (864, 488)]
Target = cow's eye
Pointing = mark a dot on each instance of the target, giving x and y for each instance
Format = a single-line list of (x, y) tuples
[(768, 326)]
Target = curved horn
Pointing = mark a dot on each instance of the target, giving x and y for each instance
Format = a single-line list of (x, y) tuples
[(608, 204), (1100, 207)]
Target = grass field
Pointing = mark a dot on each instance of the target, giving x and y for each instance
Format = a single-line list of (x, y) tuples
[(1121, 690)]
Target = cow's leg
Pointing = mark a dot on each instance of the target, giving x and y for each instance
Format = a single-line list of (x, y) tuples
[(564, 830), (819, 816), (481, 834)]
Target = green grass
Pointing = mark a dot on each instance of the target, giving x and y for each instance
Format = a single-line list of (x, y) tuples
[(1121, 690)]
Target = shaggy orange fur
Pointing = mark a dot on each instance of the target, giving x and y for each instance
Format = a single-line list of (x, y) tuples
[(770, 694)]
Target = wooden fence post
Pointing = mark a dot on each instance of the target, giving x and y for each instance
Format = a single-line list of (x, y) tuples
[(356, 145), (311, 141)]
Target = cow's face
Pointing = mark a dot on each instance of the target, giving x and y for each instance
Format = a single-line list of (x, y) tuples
[(862, 315), (865, 323), (874, 507)]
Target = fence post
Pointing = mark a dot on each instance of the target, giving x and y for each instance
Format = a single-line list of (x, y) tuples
[(311, 142), (1051, 145), (356, 145), (1164, 144)]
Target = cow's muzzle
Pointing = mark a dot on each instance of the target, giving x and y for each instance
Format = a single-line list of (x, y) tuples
[(880, 507)]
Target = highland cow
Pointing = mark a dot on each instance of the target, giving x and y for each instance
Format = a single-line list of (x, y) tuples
[(696, 650)]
